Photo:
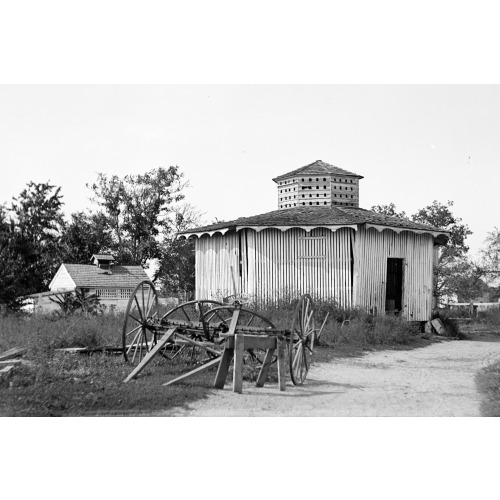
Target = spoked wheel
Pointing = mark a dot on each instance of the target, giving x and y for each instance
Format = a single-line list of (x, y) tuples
[(138, 335), (248, 322), (301, 340), (190, 316)]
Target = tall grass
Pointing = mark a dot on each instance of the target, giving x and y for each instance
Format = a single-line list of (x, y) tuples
[(53, 332), (57, 383), (348, 326)]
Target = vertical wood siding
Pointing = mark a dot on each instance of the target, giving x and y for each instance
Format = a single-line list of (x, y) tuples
[(345, 266), (372, 250), (272, 265)]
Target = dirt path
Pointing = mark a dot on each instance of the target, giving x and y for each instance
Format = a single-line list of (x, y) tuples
[(437, 380)]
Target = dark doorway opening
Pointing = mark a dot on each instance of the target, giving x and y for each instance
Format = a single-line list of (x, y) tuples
[(394, 288)]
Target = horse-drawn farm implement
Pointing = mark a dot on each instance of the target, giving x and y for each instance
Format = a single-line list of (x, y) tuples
[(209, 334)]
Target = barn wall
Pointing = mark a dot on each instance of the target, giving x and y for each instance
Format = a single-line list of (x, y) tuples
[(372, 250), (272, 265)]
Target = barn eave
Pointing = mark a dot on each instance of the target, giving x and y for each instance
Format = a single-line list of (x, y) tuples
[(440, 237)]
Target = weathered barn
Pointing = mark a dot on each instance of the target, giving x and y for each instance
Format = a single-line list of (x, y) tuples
[(111, 283), (320, 242)]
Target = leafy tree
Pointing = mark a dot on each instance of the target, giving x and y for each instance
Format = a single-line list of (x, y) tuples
[(176, 271), (490, 255), (490, 260), (12, 254), (136, 210), (465, 279), (388, 210), (34, 241), (451, 257), (440, 215), (85, 235)]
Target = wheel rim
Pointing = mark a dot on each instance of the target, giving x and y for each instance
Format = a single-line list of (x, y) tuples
[(301, 340), (139, 334)]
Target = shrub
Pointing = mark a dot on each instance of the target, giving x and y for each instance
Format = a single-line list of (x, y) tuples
[(490, 316), (365, 330)]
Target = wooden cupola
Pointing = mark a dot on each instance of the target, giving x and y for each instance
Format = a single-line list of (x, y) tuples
[(103, 260), (318, 184)]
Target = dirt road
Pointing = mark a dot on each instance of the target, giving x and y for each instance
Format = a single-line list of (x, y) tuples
[(437, 380)]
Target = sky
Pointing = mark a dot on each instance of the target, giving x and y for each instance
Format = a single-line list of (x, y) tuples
[(412, 143)]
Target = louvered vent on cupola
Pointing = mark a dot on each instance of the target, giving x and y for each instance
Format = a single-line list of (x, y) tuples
[(103, 261), (317, 185)]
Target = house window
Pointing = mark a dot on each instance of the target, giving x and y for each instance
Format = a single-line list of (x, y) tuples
[(124, 293), (106, 293)]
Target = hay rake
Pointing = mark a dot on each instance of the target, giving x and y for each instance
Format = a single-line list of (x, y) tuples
[(209, 334)]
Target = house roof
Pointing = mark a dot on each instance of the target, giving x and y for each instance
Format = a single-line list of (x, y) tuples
[(319, 167), (309, 217), (89, 276)]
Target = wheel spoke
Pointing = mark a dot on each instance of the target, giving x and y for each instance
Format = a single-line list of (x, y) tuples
[(185, 314), (147, 309), (135, 319), (137, 346), (134, 342), (133, 330), (138, 307)]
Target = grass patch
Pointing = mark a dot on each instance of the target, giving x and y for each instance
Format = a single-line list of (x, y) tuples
[(488, 384), (60, 384)]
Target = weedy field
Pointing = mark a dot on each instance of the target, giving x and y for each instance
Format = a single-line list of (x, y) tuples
[(55, 383)]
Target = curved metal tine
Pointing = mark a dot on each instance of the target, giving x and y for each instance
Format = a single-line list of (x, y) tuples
[(252, 317), (323, 325), (178, 352), (221, 318), (185, 314), (192, 354)]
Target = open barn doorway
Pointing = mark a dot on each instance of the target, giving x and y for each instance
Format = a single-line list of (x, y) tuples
[(394, 286)]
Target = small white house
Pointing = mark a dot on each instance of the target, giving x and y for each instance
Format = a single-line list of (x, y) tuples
[(111, 283)]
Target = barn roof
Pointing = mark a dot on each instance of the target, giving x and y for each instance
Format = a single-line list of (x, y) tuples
[(89, 276), (319, 167), (310, 217)]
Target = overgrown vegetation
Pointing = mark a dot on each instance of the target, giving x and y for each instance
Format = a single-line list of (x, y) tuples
[(488, 383), (136, 220), (55, 383)]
